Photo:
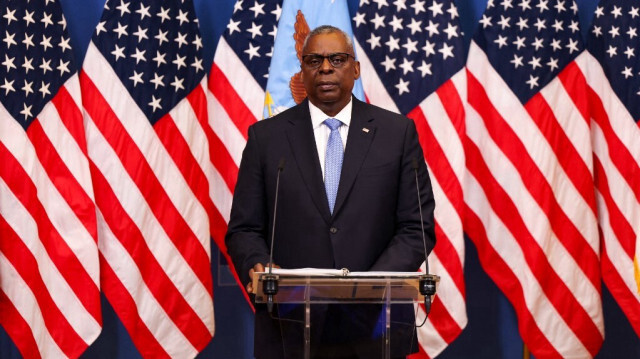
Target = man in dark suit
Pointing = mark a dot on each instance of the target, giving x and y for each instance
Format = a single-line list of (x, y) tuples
[(347, 199)]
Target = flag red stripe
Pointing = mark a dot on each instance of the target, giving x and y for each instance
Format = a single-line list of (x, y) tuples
[(58, 172), (238, 112), (198, 101), (77, 199), (453, 105), (154, 276), (125, 307), (618, 152), (444, 323), (223, 162), (437, 160), (181, 154), (511, 145), (624, 233), (553, 286), (17, 328), (218, 233), (449, 258), (219, 227), (179, 150), (627, 300), (575, 83), (141, 173), (61, 255), (218, 153), (568, 157), (509, 284), (421, 354), (71, 116), (26, 264)]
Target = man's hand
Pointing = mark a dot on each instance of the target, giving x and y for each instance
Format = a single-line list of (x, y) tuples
[(259, 267)]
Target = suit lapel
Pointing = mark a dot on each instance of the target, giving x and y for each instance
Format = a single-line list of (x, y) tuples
[(361, 133), (303, 146)]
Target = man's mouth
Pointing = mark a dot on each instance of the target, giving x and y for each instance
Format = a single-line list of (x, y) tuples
[(326, 86)]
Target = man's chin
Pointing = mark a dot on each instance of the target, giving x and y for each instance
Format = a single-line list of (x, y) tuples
[(329, 98)]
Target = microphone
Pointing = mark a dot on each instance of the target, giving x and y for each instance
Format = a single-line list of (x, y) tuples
[(270, 281), (426, 285)]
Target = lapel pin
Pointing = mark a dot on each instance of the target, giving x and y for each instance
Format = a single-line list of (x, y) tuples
[(365, 130)]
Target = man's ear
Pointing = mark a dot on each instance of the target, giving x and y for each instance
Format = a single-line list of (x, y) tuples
[(356, 70)]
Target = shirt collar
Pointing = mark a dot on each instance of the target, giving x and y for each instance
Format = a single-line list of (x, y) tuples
[(317, 116)]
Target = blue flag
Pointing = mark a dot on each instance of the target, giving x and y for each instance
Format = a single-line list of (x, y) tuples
[(285, 63)]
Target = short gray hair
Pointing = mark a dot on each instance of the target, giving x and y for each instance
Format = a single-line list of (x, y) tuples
[(328, 29)]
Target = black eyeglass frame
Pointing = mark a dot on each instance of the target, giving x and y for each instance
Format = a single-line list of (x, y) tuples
[(328, 57)]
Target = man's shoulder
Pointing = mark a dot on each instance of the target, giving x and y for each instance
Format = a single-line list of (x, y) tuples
[(280, 120), (378, 113)]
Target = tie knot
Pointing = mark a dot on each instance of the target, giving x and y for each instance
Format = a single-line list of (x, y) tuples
[(333, 123)]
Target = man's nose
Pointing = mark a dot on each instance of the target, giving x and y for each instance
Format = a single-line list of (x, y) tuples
[(326, 66)]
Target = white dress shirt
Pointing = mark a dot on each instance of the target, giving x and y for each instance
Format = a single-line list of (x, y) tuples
[(322, 131)]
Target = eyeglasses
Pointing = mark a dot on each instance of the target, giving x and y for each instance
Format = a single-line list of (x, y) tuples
[(337, 59)]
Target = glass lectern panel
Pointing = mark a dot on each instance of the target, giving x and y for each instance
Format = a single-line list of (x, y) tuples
[(307, 299)]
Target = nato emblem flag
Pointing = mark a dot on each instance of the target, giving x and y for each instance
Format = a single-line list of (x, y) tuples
[(284, 87)]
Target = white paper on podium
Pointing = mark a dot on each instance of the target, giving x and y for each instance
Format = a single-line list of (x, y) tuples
[(326, 272)]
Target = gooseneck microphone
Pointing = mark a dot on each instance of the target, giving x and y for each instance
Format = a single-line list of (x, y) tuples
[(270, 281), (426, 285)]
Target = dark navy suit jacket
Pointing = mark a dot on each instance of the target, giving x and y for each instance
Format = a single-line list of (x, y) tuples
[(375, 225)]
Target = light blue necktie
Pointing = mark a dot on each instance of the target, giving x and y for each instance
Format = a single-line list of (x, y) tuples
[(333, 161)]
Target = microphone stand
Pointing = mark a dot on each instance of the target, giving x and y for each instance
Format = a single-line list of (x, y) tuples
[(426, 285), (270, 281)]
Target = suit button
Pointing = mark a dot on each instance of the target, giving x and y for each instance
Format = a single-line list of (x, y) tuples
[(333, 230)]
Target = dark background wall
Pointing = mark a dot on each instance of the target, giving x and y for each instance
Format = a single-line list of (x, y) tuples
[(492, 330)]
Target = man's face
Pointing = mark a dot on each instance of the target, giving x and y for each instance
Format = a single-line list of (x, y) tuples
[(329, 87)]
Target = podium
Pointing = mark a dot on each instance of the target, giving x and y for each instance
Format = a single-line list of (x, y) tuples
[(327, 286)]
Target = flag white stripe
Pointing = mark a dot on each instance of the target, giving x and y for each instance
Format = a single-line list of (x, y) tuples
[(619, 188), (226, 130), (428, 337), (150, 311), (73, 88), (62, 217), (65, 145), (195, 135), (22, 298), (452, 299), (460, 83), (20, 220), (536, 221), (448, 218), (243, 83), (141, 132), (537, 147), (570, 119), (183, 115), (625, 129), (134, 204), (222, 197), (444, 132), (622, 123), (551, 324), (620, 260)]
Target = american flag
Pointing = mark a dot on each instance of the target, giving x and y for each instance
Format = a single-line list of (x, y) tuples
[(49, 273), (530, 206), (412, 61), (237, 84), (614, 90), (143, 87)]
